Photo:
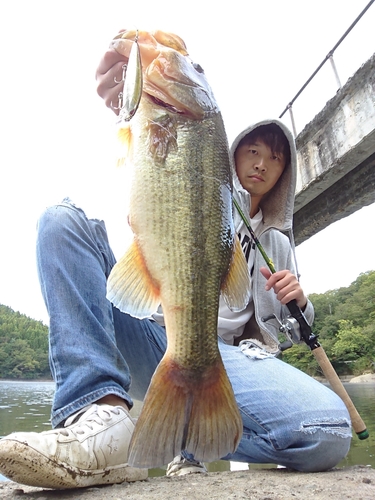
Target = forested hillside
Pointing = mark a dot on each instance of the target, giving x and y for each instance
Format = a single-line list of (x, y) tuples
[(344, 321), (23, 346)]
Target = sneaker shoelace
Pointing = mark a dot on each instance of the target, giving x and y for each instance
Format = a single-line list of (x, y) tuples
[(179, 462), (83, 419)]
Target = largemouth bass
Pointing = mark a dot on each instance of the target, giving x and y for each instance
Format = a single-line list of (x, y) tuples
[(185, 251)]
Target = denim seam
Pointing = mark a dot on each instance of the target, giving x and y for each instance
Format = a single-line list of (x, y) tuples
[(252, 434)]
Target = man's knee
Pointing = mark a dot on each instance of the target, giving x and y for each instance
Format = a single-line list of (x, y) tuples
[(326, 444), (57, 218)]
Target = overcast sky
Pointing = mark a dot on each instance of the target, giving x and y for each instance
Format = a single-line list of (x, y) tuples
[(58, 138)]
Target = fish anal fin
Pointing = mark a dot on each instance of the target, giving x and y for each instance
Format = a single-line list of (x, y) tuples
[(130, 287), (236, 289), (186, 411)]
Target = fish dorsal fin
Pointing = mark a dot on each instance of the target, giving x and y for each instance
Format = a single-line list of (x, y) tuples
[(236, 289), (130, 287)]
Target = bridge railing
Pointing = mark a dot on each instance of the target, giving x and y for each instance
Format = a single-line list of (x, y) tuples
[(329, 57)]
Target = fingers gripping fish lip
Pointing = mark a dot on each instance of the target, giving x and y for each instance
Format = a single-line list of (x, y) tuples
[(170, 77), (123, 40)]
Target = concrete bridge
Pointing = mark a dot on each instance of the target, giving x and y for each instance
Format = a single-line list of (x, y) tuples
[(336, 157)]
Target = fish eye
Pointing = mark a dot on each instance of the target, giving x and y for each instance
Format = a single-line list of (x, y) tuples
[(198, 67)]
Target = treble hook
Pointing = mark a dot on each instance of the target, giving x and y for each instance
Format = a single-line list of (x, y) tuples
[(119, 103), (124, 66)]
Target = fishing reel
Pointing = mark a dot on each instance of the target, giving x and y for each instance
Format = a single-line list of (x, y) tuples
[(289, 327)]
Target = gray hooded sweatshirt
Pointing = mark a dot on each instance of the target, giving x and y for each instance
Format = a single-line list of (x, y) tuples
[(276, 237)]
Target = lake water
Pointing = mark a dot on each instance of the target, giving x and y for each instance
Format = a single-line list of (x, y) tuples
[(26, 406)]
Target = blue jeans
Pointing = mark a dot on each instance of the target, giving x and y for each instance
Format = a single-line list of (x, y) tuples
[(95, 350)]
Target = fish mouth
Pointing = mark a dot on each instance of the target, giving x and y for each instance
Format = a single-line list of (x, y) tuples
[(163, 104), (174, 82), (171, 79)]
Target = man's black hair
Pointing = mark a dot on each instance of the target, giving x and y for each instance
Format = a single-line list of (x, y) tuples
[(272, 136)]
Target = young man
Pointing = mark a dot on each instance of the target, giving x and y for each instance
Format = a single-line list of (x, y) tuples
[(288, 418)]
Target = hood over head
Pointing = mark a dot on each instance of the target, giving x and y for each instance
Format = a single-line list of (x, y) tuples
[(278, 205)]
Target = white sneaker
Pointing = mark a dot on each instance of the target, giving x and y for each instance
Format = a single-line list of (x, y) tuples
[(181, 466), (91, 449)]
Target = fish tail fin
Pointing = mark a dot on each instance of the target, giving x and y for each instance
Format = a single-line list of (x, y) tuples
[(184, 412), (236, 289)]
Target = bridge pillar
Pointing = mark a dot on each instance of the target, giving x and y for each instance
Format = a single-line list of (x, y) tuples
[(336, 157)]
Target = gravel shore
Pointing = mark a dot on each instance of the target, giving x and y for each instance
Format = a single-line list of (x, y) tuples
[(356, 482)]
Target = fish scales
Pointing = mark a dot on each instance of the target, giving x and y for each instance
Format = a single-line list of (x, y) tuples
[(184, 254), (183, 203)]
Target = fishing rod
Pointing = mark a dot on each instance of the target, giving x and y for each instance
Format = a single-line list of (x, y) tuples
[(305, 333)]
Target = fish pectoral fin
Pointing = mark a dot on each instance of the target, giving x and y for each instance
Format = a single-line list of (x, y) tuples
[(162, 137), (184, 412), (130, 286), (236, 289), (125, 137)]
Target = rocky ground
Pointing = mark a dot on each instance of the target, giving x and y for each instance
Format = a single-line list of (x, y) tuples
[(368, 378), (262, 484), (356, 482)]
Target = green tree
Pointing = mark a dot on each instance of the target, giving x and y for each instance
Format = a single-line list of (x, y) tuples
[(23, 346), (353, 345), (301, 357), (345, 325)]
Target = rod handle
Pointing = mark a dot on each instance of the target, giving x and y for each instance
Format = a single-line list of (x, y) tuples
[(336, 384)]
